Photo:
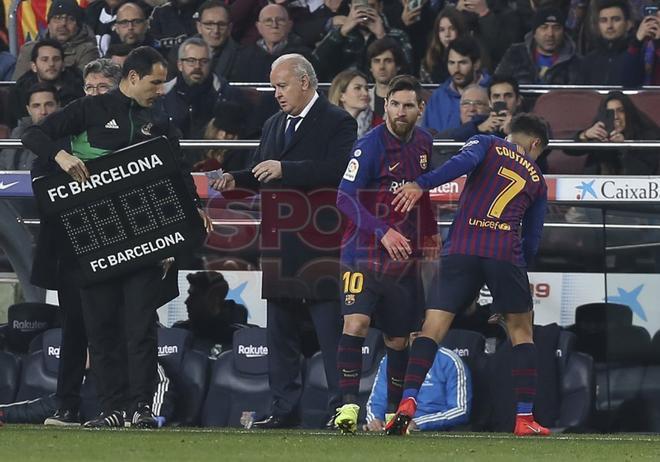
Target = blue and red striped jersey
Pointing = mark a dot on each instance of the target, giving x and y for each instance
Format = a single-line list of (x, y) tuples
[(380, 164), (504, 191)]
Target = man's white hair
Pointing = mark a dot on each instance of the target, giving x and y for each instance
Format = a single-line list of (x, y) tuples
[(301, 66)]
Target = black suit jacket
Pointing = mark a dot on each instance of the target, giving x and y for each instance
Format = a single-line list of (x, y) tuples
[(300, 225)]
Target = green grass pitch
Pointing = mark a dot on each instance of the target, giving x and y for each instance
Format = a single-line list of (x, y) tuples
[(37, 443)]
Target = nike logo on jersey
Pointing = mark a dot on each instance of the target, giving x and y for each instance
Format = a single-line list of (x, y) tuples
[(4, 186), (112, 124), (393, 167)]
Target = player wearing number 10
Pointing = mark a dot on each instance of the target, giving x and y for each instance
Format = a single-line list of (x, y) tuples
[(504, 191)]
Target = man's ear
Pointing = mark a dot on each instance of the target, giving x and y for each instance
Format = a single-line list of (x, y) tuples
[(33, 66)]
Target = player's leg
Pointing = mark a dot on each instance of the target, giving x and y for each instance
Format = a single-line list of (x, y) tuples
[(397, 360), (357, 302), (509, 286), (452, 289)]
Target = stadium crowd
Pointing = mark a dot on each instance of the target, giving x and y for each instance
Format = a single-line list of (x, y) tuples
[(185, 58), (359, 47)]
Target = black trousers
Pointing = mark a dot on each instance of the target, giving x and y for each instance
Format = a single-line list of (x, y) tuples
[(120, 319), (284, 351), (73, 349)]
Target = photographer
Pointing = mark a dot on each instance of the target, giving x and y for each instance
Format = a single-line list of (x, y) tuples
[(619, 120)]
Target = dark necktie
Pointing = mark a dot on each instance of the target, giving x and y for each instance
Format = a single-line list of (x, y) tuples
[(291, 129)]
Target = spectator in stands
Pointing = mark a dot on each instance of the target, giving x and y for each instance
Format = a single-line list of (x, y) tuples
[(274, 26), (47, 66), (42, 99), (132, 26), (192, 94), (547, 56), (416, 20), (245, 14), (386, 61), (321, 17), (476, 116), (7, 65), (642, 65), (349, 90), (444, 401), (65, 25), (212, 318), (464, 67), (345, 46), (448, 27), (101, 76), (505, 89), (100, 16), (605, 64), (629, 123), (117, 53), (228, 123), (173, 22), (214, 25)]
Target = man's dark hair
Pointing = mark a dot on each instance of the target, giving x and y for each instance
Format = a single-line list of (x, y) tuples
[(403, 83), (466, 46), (497, 79), (45, 43), (531, 124), (42, 87), (621, 4), (118, 49), (142, 61), (206, 280), (207, 5), (380, 46)]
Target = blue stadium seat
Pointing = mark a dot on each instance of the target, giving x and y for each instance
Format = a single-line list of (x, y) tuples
[(470, 347), (188, 371), (315, 392), (26, 321), (39, 372), (239, 381), (10, 369)]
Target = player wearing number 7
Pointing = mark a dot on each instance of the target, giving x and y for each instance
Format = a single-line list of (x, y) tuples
[(504, 191), (381, 248)]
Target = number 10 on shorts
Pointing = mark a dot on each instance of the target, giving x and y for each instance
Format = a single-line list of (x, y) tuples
[(353, 284)]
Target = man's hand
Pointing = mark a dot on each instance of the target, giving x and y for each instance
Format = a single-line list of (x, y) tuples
[(410, 17), (356, 16), (375, 425), (649, 28), (596, 132), (225, 183), (268, 170), (492, 123), (396, 244), (375, 23), (479, 7), (431, 247), (75, 167), (208, 224), (406, 197)]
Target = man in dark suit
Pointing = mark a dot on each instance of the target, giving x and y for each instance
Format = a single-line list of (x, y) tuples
[(303, 153)]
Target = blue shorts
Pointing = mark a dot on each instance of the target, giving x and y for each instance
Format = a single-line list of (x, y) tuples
[(395, 304), (461, 277)]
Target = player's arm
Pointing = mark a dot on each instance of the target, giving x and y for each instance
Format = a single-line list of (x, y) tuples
[(42, 138), (468, 158), (356, 179), (532, 228), (377, 402), (457, 391)]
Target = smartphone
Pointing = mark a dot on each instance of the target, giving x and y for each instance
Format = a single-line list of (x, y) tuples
[(609, 121), (499, 106), (414, 5), (651, 10), (214, 174), (360, 3)]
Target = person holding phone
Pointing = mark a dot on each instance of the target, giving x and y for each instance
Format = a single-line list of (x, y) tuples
[(642, 68), (619, 120), (345, 46)]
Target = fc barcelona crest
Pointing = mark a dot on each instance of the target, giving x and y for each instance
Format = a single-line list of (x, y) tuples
[(423, 161), (350, 299)]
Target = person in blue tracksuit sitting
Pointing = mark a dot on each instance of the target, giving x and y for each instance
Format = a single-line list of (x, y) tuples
[(444, 401)]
